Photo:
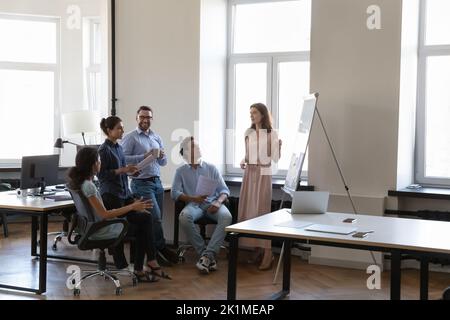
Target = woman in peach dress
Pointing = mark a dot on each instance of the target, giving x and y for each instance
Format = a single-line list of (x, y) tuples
[(262, 147)]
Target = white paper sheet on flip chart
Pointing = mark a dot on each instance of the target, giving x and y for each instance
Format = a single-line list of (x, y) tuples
[(206, 186)]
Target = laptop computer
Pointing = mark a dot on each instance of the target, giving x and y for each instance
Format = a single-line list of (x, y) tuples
[(310, 202)]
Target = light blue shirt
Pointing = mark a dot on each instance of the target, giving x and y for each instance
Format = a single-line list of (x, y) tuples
[(136, 144), (186, 178)]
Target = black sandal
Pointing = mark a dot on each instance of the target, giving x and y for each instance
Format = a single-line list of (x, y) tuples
[(162, 275), (146, 277)]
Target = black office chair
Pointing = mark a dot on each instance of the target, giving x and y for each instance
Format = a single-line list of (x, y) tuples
[(202, 223), (59, 235), (86, 226)]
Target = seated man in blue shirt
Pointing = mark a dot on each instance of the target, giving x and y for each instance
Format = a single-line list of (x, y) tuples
[(184, 189)]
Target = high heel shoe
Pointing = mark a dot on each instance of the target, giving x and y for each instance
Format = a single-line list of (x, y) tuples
[(266, 266), (158, 272)]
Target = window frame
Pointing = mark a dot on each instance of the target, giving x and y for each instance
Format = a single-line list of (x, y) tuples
[(425, 51), (55, 68), (272, 59)]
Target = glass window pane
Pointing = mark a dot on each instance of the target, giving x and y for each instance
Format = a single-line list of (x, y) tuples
[(251, 87), (272, 27), (437, 134), (97, 43), (27, 113), (438, 22), (27, 41), (293, 86)]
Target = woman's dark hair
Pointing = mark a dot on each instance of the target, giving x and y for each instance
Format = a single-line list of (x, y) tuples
[(267, 118), (84, 162), (109, 123)]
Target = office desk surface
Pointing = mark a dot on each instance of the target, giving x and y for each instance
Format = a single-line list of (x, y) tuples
[(9, 200), (394, 233)]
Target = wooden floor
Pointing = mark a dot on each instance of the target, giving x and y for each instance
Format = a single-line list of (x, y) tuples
[(308, 281)]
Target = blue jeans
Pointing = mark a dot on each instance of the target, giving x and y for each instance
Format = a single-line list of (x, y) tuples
[(191, 213), (155, 192)]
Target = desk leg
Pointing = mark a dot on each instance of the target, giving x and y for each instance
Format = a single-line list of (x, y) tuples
[(395, 275), (424, 264), (34, 229), (232, 266), (286, 272), (43, 253), (287, 267)]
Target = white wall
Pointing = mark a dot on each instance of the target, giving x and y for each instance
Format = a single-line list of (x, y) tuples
[(158, 53), (213, 73), (357, 73)]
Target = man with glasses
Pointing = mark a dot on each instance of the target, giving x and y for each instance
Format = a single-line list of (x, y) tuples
[(137, 146)]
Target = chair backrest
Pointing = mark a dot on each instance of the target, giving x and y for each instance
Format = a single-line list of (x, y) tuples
[(83, 206), (88, 223)]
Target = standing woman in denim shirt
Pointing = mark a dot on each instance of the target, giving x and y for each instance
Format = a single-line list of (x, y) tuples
[(116, 193)]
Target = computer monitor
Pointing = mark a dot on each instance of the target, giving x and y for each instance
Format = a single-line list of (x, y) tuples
[(39, 172)]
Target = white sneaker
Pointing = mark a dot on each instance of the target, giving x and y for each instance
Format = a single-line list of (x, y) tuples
[(212, 265), (203, 264)]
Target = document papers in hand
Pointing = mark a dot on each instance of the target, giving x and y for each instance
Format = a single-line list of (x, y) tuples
[(146, 162), (205, 186)]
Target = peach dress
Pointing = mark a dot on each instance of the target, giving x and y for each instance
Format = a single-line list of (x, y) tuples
[(256, 191)]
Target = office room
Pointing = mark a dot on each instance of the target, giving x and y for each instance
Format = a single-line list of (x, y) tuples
[(224, 150)]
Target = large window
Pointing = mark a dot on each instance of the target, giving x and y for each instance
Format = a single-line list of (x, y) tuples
[(29, 82), (92, 43), (433, 134), (269, 44)]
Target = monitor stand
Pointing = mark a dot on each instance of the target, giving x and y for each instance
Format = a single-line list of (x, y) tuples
[(42, 192)]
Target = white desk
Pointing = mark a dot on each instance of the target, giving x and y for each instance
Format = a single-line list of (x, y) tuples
[(37, 208), (395, 235)]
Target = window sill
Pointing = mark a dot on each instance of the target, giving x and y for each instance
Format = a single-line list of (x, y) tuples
[(236, 181), (437, 193)]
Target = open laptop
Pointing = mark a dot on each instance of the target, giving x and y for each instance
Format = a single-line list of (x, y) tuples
[(312, 202)]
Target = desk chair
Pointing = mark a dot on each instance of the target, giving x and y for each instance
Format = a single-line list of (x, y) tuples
[(68, 216), (202, 223), (87, 226)]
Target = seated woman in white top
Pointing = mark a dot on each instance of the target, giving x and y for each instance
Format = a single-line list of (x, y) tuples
[(80, 178)]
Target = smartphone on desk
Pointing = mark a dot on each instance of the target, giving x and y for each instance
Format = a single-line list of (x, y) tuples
[(361, 235)]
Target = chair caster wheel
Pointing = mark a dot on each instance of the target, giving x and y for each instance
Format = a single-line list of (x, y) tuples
[(118, 291), (182, 259), (54, 247), (76, 292)]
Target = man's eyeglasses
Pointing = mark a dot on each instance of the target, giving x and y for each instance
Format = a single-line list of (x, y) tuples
[(145, 118)]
